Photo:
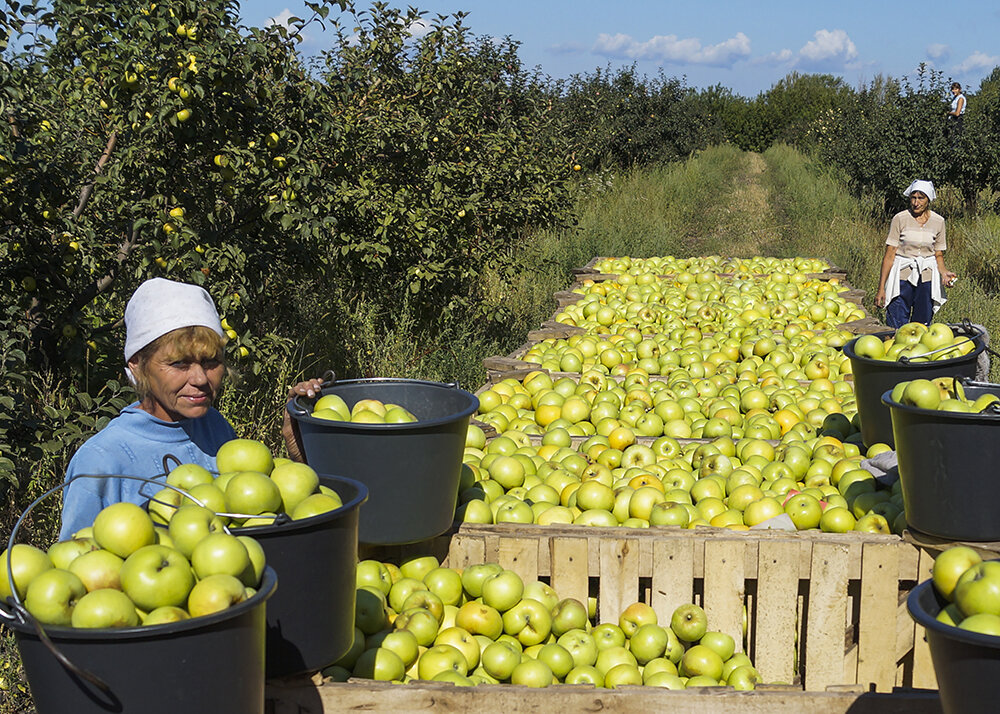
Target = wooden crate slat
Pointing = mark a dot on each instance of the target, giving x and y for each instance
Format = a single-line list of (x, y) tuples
[(725, 587), (619, 573), (569, 574), (826, 614), (775, 616), (521, 556), (877, 616), (923, 668), (465, 551), (672, 576)]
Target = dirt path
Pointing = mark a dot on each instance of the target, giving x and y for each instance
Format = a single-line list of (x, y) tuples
[(748, 225)]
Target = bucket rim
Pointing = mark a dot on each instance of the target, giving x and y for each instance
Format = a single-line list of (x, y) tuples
[(848, 349), (888, 401), (307, 417), (268, 584), (930, 622), (313, 521)]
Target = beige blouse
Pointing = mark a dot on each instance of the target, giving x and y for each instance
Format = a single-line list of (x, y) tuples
[(913, 240)]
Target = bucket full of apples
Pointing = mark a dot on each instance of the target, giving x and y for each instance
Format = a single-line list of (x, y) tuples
[(307, 526), (402, 438), (882, 360), (947, 433), (119, 619), (959, 608)]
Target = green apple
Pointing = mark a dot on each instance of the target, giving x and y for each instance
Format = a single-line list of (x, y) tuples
[(569, 614), (104, 608), (701, 660), (380, 664), (689, 622), (401, 590), (123, 528), (420, 622), (374, 574), (190, 524), (463, 641), (440, 658), (532, 673), (585, 674), (983, 622), (500, 660), (635, 616), (558, 659), (744, 678), (836, 520), (607, 635), (295, 481), (27, 563), (335, 403), (315, 505), (581, 646), (543, 593), (98, 569), (252, 493), (52, 595), (648, 643), (404, 644), (418, 567), (222, 553), (978, 589), (66, 551), (479, 619), (528, 620), (719, 642), (244, 455), (610, 657), (214, 594), (155, 576), (869, 346), (187, 476), (949, 567), (165, 615), (503, 590)]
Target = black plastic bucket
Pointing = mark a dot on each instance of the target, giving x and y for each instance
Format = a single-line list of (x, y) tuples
[(204, 665), (411, 470), (947, 466), (967, 664), (873, 377), (310, 619)]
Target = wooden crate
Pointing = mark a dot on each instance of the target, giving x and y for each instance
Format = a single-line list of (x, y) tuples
[(823, 609), (306, 697)]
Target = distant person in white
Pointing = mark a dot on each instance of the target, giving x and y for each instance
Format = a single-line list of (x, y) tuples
[(957, 112)]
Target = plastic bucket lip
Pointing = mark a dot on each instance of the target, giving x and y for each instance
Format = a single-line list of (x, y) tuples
[(930, 622), (268, 584), (942, 414), (312, 521), (307, 416), (976, 336)]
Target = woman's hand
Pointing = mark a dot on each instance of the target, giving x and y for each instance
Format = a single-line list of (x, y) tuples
[(880, 297), (948, 278), (309, 388)]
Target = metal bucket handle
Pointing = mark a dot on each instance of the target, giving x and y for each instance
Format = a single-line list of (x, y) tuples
[(329, 378)]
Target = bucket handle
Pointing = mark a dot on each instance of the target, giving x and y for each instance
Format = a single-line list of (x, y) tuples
[(328, 379)]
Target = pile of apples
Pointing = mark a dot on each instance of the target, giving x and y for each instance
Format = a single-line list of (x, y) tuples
[(670, 265), (941, 394), (364, 411), (485, 625), (972, 588), (124, 572), (680, 406), (252, 489), (917, 343), (616, 481)]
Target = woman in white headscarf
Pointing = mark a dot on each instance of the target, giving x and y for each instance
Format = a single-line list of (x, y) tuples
[(913, 270), (175, 358)]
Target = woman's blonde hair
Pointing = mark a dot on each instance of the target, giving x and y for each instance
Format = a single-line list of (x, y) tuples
[(194, 343)]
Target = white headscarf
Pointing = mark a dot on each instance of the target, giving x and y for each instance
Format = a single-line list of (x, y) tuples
[(925, 187), (159, 306)]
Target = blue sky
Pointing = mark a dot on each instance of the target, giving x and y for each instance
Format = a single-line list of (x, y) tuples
[(746, 46)]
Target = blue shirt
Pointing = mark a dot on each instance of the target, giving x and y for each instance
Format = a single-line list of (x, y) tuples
[(134, 444)]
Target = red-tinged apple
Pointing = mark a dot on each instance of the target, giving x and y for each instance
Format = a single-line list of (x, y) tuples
[(251, 493), (569, 614), (612, 657), (441, 658), (719, 642), (52, 595), (27, 563), (479, 619), (537, 590), (701, 660), (500, 660), (635, 616), (744, 678), (420, 622), (295, 481), (123, 528), (155, 576), (978, 589), (215, 594), (187, 476), (222, 553), (373, 574), (532, 673), (98, 570), (648, 642), (315, 505), (401, 590), (165, 615), (404, 644), (529, 621), (379, 664), (503, 590), (607, 635), (581, 646), (419, 566), (689, 622), (244, 455), (463, 641), (66, 551), (585, 674), (189, 525), (949, 567), (104, 608)]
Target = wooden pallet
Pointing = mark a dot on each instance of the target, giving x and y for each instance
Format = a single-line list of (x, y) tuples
[(308, 697), (829, 609)]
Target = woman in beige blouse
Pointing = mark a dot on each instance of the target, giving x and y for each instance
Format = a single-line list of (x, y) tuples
[(910, 287)]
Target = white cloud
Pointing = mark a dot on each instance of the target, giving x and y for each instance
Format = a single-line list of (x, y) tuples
[(828, 46), (418, 29), (977, 62), (282, 19), (938, 51), (781, 57), (670, 48)]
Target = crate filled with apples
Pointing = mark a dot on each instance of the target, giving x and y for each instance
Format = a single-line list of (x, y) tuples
[(485, 625)]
